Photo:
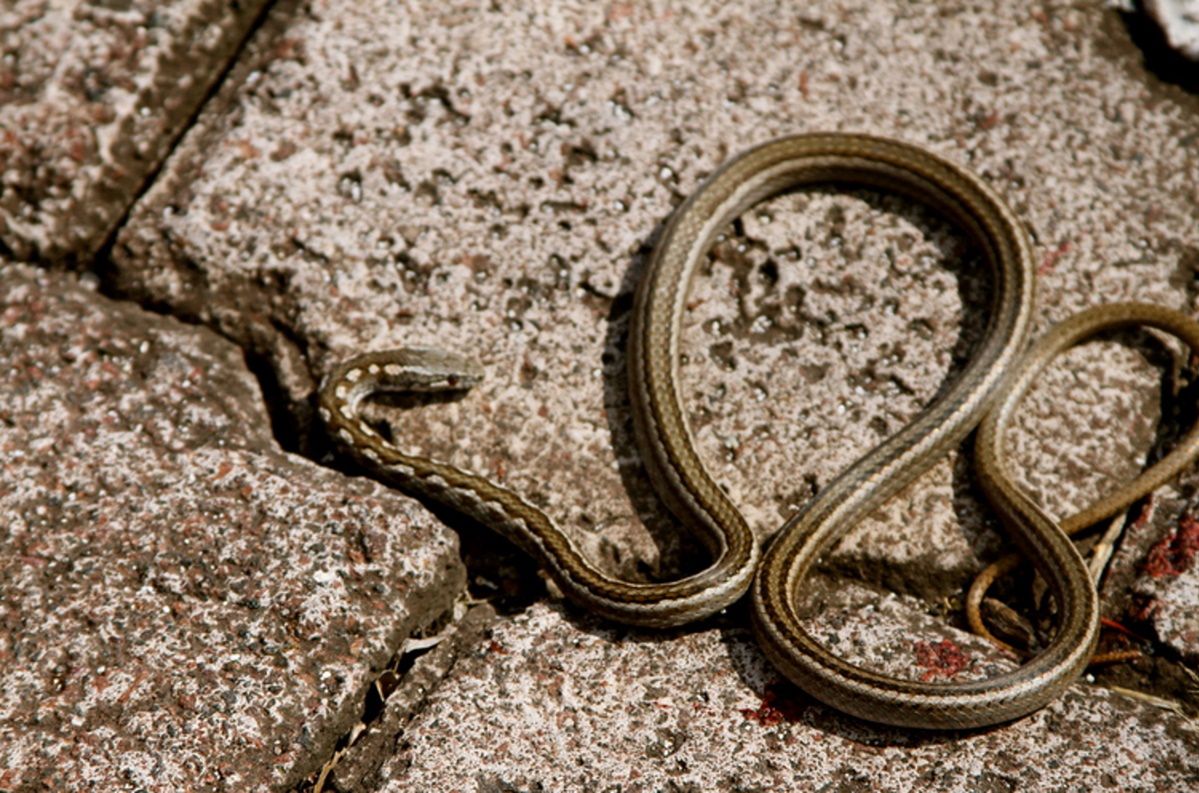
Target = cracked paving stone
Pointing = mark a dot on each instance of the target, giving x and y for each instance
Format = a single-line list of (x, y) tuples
[(183, 606), (92, 96)]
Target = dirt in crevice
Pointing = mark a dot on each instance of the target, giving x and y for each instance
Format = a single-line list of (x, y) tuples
[(397, 695)]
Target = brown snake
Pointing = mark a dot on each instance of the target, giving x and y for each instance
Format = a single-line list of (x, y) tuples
[(681, 479), (988, 448)]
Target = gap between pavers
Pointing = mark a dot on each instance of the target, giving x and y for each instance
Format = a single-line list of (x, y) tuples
[(182, 605), (492, 181), (92, 98)]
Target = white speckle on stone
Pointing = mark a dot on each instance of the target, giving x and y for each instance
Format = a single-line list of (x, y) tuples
[(1179, 21)]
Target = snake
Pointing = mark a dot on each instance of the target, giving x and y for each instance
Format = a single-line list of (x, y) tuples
[(988, 448), (738, 565)]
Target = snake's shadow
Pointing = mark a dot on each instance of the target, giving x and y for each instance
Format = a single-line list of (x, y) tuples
[(677, 558)]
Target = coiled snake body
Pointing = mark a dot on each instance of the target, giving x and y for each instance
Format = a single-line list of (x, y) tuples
[(776, 577)]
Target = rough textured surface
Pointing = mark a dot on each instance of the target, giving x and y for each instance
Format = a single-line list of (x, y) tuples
[(554, 704), (490, 180), (1179, 20), (182, 605), (407, 691), (1166, 563), (92, 96)]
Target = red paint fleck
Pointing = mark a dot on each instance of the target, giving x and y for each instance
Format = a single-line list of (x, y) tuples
[(942, 659), (497, 648), (221, 472), (803, 83), (774, 709), (1173, 554), (1117, 627), (1052, 257), (989, 121)]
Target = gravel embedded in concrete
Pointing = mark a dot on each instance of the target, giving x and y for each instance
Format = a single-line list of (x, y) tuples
[(491, 180), (92, 97), (182, 605), (554, 703)]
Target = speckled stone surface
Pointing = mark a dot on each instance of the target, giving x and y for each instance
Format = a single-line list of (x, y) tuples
[(182, 605), (1163, 559), (555, 704), (490, 181), (93, 93), (1179, 20)]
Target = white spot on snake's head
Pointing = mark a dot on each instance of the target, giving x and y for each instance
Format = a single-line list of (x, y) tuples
[(345, 435), (325, 414), (373, 368), (354, 375), (341, 391), (370, 454)]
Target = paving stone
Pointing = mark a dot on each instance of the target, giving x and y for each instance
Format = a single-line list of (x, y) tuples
[(92, 96), (555, 702), (490, 181), (420, 670), (1179, 20), (183, 606), (1163, 556)]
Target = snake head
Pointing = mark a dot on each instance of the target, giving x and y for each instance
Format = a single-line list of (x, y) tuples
[(426, 369)]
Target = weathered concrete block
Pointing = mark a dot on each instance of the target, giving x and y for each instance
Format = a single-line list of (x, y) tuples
[(92, 97), (182, 605)]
